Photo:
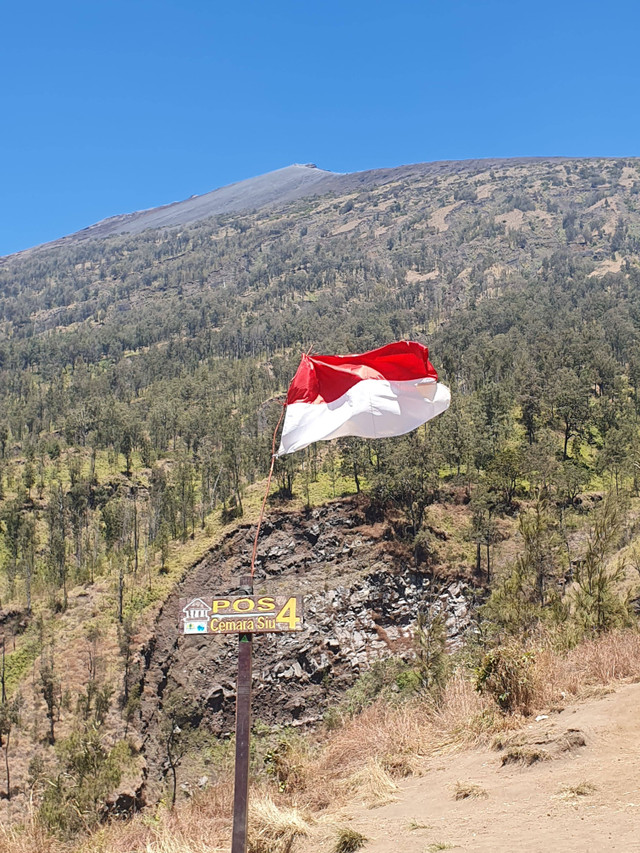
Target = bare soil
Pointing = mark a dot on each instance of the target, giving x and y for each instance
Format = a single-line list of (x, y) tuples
[(582, 794)]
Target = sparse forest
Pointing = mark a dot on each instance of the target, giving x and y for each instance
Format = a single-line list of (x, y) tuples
[(141, 379)]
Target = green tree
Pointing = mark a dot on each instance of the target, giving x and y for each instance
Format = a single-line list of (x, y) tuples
[(615, 456), (185, 491), (126, 448), (528, 592), (529, 396), (75, 799), (12, 520), (455, 434), (409, 480), (503, 473), (570, 479), (28, 476), (9, 719), (27, 564), (571, 403), (483, 530), (540, 557), (431, 649), (57, 522), (353, 460), (598, 599), (51, 691)]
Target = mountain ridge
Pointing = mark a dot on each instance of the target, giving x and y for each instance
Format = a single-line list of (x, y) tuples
[(140, 377), (271, 190)]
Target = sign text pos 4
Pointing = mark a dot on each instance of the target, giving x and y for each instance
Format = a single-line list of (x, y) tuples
[(246, 614)]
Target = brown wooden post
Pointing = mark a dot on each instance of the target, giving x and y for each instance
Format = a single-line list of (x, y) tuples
[(243, 732), (2, 681), (278, 614)]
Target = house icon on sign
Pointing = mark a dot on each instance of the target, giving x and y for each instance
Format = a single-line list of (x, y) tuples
[(196, 617)]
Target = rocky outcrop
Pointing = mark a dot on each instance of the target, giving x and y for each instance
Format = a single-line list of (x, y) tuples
[(362, 595)]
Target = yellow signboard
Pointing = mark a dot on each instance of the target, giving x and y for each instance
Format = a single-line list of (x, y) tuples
[(246, 614)]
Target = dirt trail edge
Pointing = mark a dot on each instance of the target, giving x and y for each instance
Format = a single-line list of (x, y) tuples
[(581, 795)]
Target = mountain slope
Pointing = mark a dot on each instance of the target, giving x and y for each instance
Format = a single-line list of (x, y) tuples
[(139, 374), (273, 189), (387, 254), (279, 187)]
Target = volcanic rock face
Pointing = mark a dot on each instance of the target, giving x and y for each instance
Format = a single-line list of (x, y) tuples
[(360, 599)]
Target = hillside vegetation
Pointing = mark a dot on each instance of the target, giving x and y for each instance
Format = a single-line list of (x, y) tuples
[(141, 378)]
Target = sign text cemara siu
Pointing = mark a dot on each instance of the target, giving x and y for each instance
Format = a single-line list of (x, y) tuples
[(254, 614)]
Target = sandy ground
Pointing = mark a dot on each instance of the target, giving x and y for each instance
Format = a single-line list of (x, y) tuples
[(605, 267), (526, 809), (513, 219), (438, 219)]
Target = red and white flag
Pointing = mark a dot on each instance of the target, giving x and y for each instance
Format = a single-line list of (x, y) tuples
[(388, 391)]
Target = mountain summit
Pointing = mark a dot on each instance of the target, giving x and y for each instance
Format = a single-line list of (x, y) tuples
[(278, 187)]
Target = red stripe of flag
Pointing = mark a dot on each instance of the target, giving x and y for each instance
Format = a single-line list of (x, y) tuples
[(325, 378)]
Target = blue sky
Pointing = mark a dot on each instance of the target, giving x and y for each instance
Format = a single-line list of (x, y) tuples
[(111, 106)]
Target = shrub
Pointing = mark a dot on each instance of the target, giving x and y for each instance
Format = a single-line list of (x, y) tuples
[(506, 674), (283, 763), (74, 799), (349, 840)]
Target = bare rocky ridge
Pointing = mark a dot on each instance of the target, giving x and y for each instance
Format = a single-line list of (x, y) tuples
[(361, 603), (280, 186)]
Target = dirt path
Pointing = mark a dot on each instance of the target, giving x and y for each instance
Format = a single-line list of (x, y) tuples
[(527, 809)]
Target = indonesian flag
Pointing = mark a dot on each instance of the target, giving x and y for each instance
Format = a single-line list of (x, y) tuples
[(388, 391)]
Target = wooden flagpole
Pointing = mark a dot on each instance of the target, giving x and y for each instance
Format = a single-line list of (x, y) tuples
[(243, 732), (243, 692)]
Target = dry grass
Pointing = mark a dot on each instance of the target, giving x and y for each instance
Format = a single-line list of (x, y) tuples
[(387, 742), (272, 828), (372, 784), (469, 791), (200, 826), (582, 789), (413, 825), (29, 839), (594, 663), (360, 760)]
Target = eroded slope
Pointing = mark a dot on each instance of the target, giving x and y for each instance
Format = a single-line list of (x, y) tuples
[(362, 597)]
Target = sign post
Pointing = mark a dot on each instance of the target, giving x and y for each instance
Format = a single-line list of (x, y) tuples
[(244, 615), (243, 732)]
